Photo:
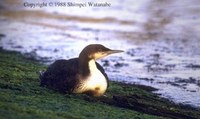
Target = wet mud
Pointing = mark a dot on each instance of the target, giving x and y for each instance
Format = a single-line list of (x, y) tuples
[(146, 104), (160, 40)]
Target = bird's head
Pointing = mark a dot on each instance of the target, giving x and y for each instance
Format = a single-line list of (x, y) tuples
[(97, 51)]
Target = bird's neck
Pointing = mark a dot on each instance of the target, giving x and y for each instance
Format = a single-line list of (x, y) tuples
[(92, 65), (86, 65)]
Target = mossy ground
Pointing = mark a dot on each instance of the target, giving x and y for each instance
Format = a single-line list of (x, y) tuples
[(22, 97)]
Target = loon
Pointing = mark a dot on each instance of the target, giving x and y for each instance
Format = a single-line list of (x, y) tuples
[(79, 75)]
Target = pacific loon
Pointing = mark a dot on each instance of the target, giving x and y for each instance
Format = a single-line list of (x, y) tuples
[(79, 75)]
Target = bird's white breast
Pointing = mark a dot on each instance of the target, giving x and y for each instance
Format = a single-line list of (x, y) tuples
[(96, 79), (95, 82)]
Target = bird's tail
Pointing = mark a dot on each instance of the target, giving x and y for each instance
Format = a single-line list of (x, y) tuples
[(41, 77)]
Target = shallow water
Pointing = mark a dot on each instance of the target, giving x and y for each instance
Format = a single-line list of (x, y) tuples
[(160, 40)]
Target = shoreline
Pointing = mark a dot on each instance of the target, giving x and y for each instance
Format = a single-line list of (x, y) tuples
[(19, 87)]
